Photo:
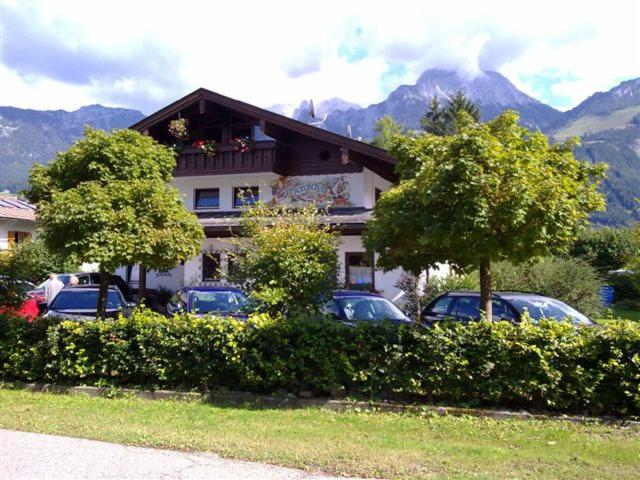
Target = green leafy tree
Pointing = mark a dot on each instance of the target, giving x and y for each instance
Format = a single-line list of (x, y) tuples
[(490, 192), (386, 128), (441, 120), (606, 248), (106, 200), (287, 258)]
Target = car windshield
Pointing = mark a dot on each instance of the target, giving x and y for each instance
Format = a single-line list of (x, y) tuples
[(373, 309), (548, 308), (219, 302), (84, 300)]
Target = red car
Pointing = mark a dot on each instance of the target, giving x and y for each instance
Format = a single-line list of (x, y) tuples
[(29, 307)]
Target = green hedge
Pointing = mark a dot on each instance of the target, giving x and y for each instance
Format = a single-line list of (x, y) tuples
[(551, 366)]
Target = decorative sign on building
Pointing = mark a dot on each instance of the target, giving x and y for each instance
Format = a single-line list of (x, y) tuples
[(327, 192)]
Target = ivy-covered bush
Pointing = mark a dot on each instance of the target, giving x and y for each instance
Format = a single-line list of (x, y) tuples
[(552, 366)]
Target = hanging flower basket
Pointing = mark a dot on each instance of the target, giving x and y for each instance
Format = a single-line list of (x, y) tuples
[(178, 128), (243, 144), (208, 147)]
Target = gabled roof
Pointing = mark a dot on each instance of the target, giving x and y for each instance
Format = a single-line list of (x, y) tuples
[(267, 116), (11, 207)]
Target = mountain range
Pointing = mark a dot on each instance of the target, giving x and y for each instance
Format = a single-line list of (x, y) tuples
[(607, 122), (35, 136)]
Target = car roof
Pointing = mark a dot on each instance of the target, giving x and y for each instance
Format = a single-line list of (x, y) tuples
[(212, 288), (355, 293), (90, 286), (505, 294)]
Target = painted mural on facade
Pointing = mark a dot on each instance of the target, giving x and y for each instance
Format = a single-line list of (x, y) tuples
[(333, 191)]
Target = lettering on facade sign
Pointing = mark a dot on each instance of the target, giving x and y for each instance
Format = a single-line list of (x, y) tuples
[(327, 192)]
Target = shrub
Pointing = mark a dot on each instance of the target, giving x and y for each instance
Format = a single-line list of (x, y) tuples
[(288, 259), (552, 366), (33, 261)]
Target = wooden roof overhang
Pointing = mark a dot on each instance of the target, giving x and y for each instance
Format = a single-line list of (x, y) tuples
[(276, 125), (347, 221)]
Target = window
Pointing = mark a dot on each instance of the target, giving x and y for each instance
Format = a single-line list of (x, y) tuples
[(467, 308), (207, 198), (370, 309), (243, 131), (378, 192), (213, 133), (179, 300), (210, 267), (359, 269), (330, 308), (218, 302), (17, 237), (245, 196), (441, 306), (232, 264), (502, 311)]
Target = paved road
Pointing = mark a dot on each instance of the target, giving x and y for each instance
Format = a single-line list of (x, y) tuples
[(38, 456)]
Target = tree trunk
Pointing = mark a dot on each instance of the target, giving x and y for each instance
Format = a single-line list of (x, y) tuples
[(142, 282), (102, 295), (485, 288)]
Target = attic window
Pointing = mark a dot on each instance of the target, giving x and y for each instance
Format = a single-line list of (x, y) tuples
[(324, 155)]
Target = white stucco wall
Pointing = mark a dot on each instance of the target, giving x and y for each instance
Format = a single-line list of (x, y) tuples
[(371, 181), (8, 225), (384, 281), (226, 183)]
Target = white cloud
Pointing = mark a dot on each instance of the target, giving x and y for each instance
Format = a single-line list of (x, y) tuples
[(282, 52)]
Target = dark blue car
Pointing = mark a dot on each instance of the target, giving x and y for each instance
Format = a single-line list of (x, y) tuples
[(464, 306), (350, 306), (207, 300)]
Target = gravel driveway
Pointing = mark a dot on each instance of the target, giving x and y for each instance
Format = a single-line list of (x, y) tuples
[(38, 456)]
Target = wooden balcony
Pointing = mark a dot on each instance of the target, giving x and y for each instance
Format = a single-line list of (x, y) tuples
[(266, 156)]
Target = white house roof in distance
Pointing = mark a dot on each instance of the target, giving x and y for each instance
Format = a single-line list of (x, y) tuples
[(11, 207)]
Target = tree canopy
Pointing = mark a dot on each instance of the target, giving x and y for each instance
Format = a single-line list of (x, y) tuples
[(443, 120), (489, 192), (106, 200), (607, 248)]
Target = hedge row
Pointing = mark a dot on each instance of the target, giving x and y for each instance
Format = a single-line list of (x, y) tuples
[(551, 366)]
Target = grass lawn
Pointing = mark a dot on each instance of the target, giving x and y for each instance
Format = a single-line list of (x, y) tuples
[(626, 314), (353, 443)]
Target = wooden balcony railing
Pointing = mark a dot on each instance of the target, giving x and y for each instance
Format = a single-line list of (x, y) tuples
[(265, 156)]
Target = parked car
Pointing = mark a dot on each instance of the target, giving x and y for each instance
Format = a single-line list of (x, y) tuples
[(350, 306), (85, 278), (81, 303), (201, 300), (464, 306), (25, 305)]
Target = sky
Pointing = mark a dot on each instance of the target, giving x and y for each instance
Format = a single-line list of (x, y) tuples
[(145, 54)]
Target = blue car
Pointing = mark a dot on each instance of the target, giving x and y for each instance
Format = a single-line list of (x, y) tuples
[(350, 306), (206, 300)]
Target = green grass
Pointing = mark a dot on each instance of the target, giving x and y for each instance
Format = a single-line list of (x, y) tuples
[(626, 314), (350, 443)]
